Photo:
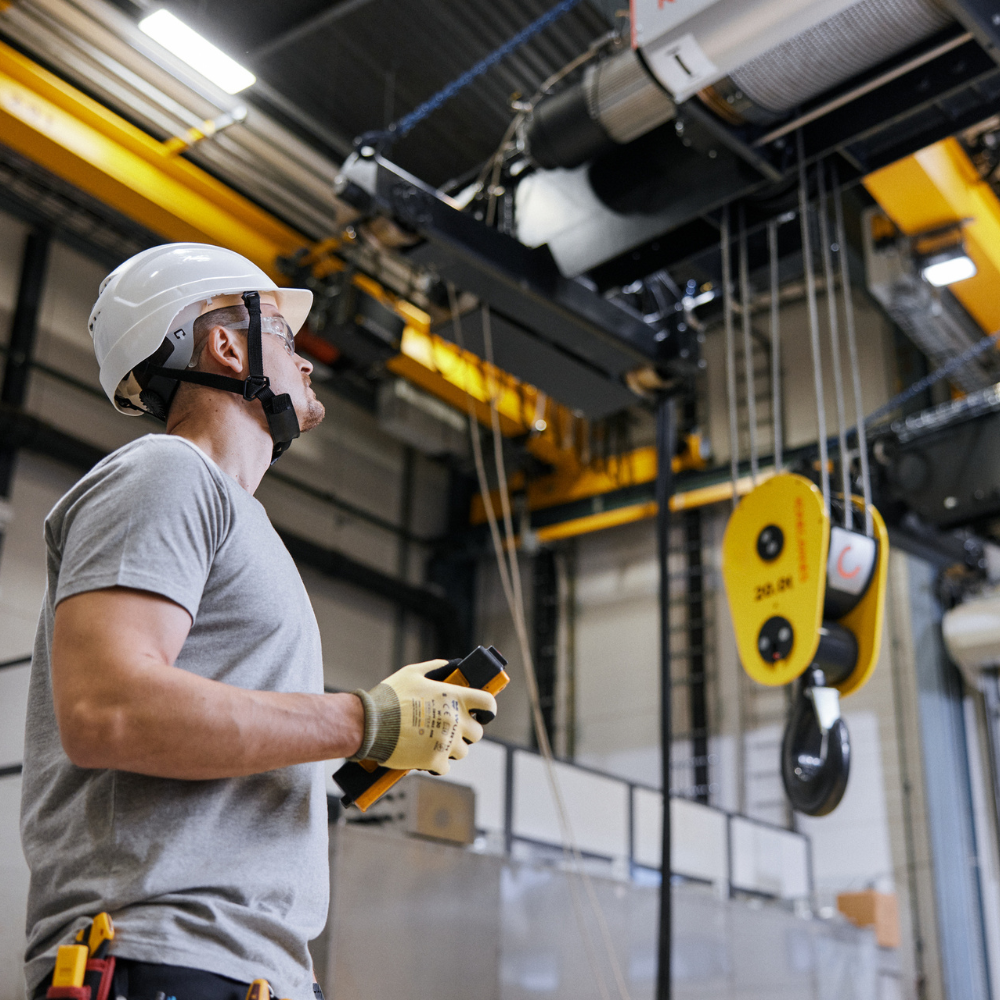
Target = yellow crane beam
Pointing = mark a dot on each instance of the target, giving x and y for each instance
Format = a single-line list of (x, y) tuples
[(73, 136), (86, 144), (939, 186)]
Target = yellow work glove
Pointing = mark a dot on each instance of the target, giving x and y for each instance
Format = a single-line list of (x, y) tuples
[(414, 723)]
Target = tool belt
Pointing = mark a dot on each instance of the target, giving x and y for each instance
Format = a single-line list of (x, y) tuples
[(84, 971), (147, 981)]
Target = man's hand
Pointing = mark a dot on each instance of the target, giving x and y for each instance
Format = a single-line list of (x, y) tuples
[(121, 703), (412, 722)]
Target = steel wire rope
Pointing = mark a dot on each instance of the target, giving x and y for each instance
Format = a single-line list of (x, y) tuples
[(494, 164), (570, 848), (541, 734), (852, 346), (748, 346), (817, 359), (834, 331), (772, 249), (727, 312)]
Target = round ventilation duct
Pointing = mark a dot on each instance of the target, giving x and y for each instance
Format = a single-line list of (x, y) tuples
[(619, 99)]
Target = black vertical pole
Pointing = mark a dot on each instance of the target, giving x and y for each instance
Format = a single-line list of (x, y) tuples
[(666, 432), (697, 700), (21, 346), (545, 626)]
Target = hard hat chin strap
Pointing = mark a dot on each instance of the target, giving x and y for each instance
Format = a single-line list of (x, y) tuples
[(281, 419)]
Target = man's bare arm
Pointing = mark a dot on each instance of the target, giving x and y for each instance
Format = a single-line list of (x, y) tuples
[(121, 703)]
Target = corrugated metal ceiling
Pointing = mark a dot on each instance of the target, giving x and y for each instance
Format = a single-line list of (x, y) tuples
[(357, 65)]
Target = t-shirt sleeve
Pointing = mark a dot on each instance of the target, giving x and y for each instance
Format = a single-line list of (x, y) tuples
[(152, 519)]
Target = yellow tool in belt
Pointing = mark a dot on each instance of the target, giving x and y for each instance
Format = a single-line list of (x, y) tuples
[(260, 989), (83, 972)]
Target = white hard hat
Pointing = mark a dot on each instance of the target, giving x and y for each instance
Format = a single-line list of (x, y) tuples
[(161, 292)]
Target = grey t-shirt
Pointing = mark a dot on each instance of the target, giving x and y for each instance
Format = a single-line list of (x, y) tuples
[(230, 876)]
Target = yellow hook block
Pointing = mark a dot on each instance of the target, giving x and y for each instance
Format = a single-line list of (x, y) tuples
[(866, 618), (774, 557)]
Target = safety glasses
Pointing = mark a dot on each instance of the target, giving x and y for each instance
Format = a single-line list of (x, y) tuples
[(270, 324)]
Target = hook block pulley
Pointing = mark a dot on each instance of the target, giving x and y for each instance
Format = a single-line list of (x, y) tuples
[(807, 601)]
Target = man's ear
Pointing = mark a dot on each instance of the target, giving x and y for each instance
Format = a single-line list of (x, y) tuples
[(225, 349)]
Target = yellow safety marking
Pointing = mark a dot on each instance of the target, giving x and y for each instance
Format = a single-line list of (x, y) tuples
[(792, 586)]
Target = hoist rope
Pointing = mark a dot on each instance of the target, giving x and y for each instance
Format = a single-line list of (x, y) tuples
[(748, 345), (727, 310), (403, 125), (541, 733), (772, 248), (852, 347), (834, 331), (510, 579), (817, 359)]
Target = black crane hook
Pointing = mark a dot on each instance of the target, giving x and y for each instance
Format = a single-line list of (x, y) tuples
[(816, 746)]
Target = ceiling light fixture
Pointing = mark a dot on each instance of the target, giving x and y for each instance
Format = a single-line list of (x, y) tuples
[(941, 256), (948, 266), (199, 53)]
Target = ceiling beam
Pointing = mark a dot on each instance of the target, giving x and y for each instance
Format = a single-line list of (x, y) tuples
[(83, 142)]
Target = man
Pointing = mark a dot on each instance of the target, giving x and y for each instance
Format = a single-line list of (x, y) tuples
[(176, 715)]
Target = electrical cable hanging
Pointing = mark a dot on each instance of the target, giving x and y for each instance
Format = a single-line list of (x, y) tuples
[(852, 346), (834, 331), (772, 249), (727, 312), (748, 346), (511, 584), (541, 733), (817, 359)]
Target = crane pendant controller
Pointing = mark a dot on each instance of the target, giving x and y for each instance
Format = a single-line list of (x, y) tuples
[(365, 782), (807, 601)]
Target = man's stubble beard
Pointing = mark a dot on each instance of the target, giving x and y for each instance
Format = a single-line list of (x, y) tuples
[(315, 411)]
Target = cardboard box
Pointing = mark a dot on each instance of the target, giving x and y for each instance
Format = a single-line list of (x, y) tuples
[(873, 909), (426, 807)]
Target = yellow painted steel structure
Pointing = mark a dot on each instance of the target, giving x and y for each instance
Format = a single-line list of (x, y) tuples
[(574, 481), (789, 587), (81, 141), (78, 139), (703, 496), (867, 618), (935, 187)]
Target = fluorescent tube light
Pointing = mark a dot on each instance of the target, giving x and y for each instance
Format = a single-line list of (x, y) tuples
[(199, 53), (947, 269)]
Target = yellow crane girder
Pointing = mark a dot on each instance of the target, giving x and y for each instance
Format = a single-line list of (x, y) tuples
[(936, 187)]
